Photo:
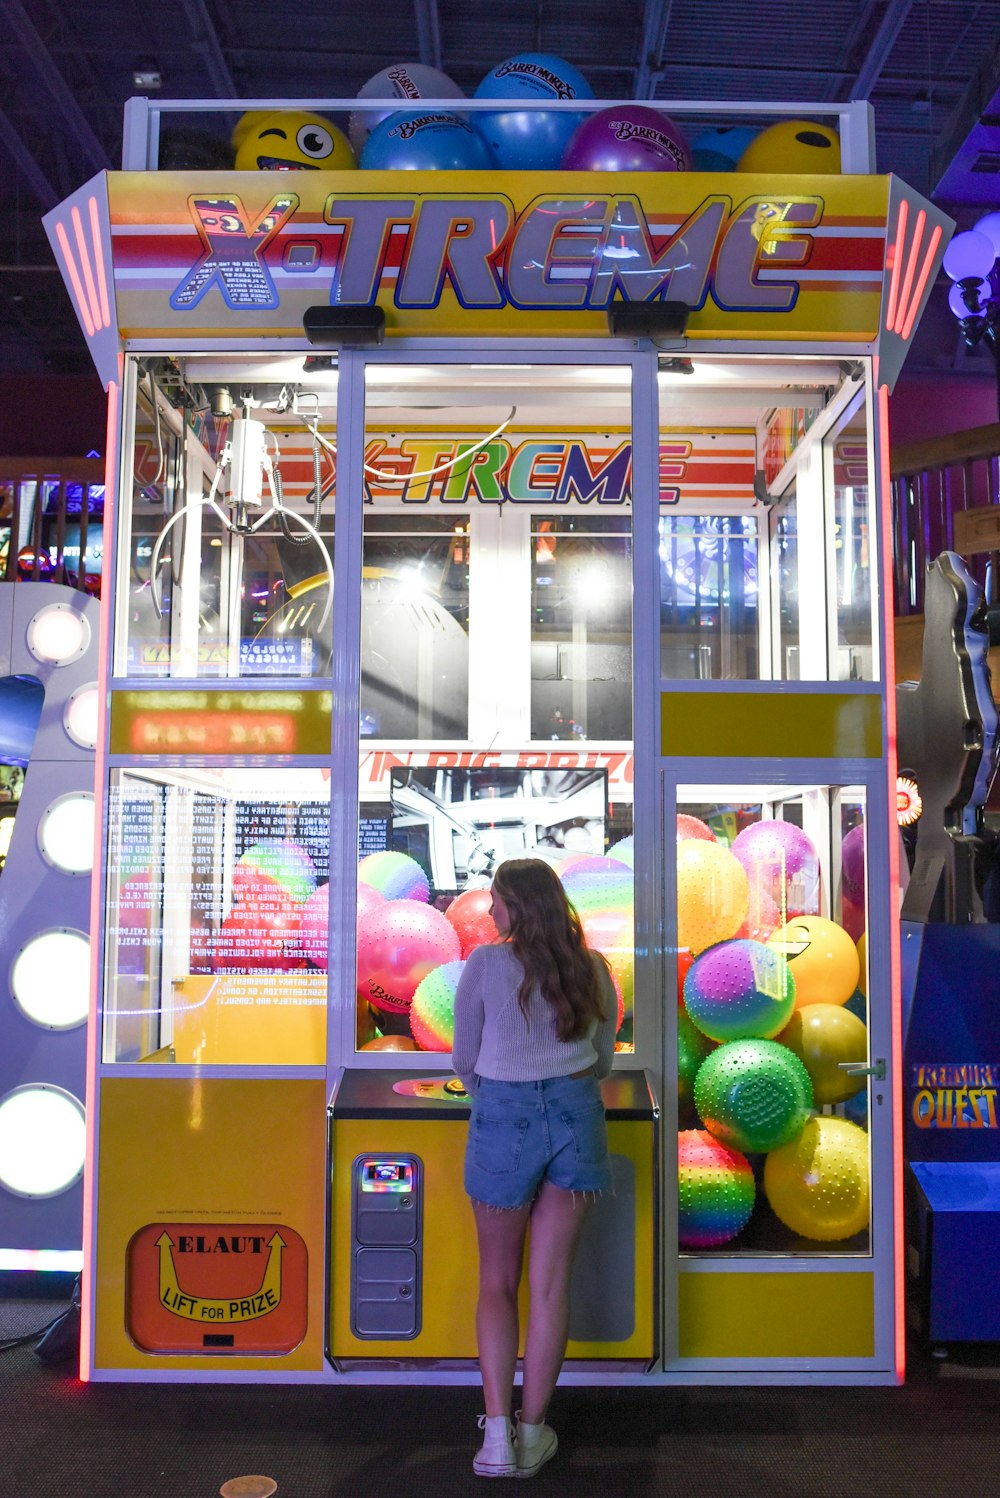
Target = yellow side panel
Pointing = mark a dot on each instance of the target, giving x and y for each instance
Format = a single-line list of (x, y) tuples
[(277, 1019), (772, 725), (450, 1275), (246, 1157), (776, 1315)]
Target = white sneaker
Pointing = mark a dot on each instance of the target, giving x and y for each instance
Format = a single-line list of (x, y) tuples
[(535, 1445), (495, 1457)]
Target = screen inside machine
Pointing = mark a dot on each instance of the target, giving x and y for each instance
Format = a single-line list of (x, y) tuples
[(459, 824)]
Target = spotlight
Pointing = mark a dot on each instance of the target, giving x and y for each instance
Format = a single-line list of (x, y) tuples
[(654, 320), (333, 327)]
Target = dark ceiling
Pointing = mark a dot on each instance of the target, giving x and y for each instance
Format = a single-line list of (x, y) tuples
[(930, 68)]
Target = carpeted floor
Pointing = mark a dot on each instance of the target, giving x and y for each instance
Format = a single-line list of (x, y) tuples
[(936, 1437)]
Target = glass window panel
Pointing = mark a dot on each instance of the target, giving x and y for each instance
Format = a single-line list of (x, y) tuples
[(774, 1153), (848, 460), (787, 665), (708, 597), (219, 881)]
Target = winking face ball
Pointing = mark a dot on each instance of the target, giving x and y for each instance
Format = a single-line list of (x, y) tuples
[(288, 142), (822, 957)]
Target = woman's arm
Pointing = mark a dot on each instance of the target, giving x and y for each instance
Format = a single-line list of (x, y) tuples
[(469, 1019), (607, 1028)]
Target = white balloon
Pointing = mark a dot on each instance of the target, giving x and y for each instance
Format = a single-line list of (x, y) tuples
[(404, 80)]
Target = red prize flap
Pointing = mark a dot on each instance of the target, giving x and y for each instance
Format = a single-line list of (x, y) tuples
[(216, 1287)]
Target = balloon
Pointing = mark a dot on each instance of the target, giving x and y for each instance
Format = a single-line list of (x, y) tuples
[(824, 1036), (712, 894), (818, 1183), (403, 80), (626, 138), (793, 146), (397, 947), (530, 139), (425, 142), (288, 142), (822, 957)]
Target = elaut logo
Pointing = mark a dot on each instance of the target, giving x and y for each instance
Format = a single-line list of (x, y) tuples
[(216, 1287)]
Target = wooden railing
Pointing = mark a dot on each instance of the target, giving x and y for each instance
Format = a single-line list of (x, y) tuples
[(43, 527)]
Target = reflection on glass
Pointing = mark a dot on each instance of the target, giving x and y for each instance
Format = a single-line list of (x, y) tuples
[(773, 1146), (785, 564), (852, 552), (708, 597), (581, 628), (415, 628), (230, 529), (220, 881)]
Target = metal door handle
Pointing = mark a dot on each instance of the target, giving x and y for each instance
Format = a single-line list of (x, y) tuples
[(859, 1069)]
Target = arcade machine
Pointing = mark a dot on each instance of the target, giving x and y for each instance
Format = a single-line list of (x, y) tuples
[(948, 751), (520, 513)]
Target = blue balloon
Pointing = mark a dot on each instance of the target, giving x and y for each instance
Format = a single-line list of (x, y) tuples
[(424, 142), (531, 140), (719, 149)]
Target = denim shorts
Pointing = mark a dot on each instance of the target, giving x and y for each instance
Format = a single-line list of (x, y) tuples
[(524, 1133)]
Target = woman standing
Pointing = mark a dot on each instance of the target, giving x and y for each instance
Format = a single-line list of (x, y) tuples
[(534, 1030)]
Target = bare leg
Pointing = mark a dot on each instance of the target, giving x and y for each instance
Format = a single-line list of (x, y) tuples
[(556, 1222), (501, 1254)]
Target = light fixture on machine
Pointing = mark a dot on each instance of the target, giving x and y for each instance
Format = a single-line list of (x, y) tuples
[(245, 465)]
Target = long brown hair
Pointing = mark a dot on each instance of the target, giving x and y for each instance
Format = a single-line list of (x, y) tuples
[(547, 939)]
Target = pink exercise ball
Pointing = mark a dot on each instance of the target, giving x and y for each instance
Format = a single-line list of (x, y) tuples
[(398, 946)]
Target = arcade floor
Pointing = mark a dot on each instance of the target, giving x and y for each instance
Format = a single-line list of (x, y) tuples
[(935, 1437)]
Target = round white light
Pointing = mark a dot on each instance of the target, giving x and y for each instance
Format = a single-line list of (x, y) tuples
[(42, 1140), (80, 716), (66, 833), (50, 979), (58, 634)]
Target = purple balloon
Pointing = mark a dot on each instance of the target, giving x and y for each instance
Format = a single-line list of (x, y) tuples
[(626, 138)]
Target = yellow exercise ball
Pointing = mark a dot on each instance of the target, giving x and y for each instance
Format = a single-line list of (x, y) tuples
[(818, 1184), (793, 146), (822, 957), (287, 142), (245, 124), (862, 950), (822, 1036), (713, 894)]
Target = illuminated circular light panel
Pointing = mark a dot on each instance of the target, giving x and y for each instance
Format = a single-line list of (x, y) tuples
[(50, 979), (908, 802), (42, 1140), (66, 833), (58, 634), (80, 716)]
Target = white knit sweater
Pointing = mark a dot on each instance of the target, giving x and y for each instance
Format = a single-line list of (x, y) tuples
[(493, 1038)]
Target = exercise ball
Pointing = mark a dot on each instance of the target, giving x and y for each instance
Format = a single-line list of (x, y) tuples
[(425, 143), (763, 916), (823, 1036), (780, 860), (818, 1183), (692, 1048), (822, 957), (470, 915), (626, 138), (720, 148), (793, 146), (693, 827), (390, 1043), (754, 1095), (715, 1190), (530, 139), (739, 990), (432, 1013), (401, 81), (861, 947), (712, 894), (397, 947), (624, 851), (396, 876)]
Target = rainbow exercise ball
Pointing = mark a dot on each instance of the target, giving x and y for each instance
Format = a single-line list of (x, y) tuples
[(530, 139), (719, 149), (280, 863), (397, 947), (862, 950), (288, 142), (692, 1048), (715, 1190), (793, 146), (822, 957), (712, 894), (624, 851), (738, 990), (425, 142), (818, 1183), (396, 876), (823, 1036), (470, 915), (753, 1094), (432, 1013), (626, 138), (401, 81), (780, 860)]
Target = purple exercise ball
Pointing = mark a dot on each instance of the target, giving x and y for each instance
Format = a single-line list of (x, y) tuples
[(626, 138)]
